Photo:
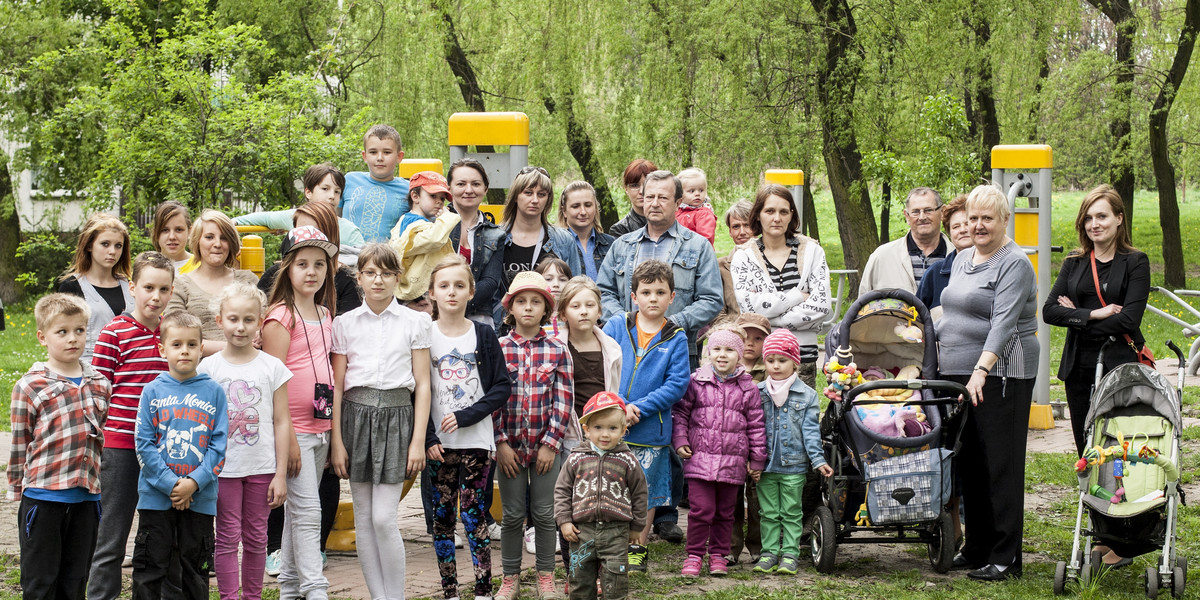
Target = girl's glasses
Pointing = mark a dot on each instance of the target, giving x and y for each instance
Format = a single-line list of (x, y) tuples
[(386, 275)]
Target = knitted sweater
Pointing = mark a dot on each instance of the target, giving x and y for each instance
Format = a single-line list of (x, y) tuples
[(594, 488)]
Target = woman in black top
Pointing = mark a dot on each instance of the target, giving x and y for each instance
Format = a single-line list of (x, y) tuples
[(1124, 276)]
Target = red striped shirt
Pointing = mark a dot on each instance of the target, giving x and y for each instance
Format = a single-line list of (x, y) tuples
[(127, 354)]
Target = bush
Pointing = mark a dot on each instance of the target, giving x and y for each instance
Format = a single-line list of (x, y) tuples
[(41, 258)]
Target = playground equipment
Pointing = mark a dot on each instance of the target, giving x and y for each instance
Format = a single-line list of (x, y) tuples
[(412, 166), (1024, 171), (491, 129), (1189, 329)]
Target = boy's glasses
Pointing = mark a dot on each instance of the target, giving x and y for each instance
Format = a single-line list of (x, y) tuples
[(531, 169), (386, 275)]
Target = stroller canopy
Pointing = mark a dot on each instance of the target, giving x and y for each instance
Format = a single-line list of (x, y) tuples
[(1135, 384)]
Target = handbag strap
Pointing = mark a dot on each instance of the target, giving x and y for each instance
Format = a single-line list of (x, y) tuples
[(1096, 280)]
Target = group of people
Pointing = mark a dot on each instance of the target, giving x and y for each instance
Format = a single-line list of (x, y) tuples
[(404, 334)]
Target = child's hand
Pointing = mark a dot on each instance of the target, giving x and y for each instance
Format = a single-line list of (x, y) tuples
[(449, 423), (825, 470), (277, 491), (635, 537), (633, 414), (181, 493), (545, 459), (294, 462), (570, 533), (684, 452), (339, 460), (755, 474), (434, 452), (506, 459), (416, 458)]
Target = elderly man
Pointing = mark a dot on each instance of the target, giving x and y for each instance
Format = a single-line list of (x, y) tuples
[(900, 263), (698, 292)]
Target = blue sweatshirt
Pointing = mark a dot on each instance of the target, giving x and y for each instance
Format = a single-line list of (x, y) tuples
[(181, 431), (655, 383)]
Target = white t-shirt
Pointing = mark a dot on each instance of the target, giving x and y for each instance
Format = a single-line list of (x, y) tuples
[(378, 347), (250, 389), (456, 386)]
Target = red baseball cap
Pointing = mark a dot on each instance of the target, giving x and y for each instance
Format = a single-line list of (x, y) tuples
[(430, 181), (600, 402)]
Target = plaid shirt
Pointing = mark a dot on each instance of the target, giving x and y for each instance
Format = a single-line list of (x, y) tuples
[(542, 394), (57, 430)]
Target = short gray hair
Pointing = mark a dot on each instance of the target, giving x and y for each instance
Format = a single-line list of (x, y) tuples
[(989, 197), (740, 210), (663, 175), (923, 191)]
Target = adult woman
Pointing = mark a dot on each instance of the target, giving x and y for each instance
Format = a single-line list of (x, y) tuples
[(215, 241), (579, 213), (782, 275), (954, 220), (169, 233), (986, 340), (100, 274), (737, 219), (633, 178), (476, 238), (1093, 308)]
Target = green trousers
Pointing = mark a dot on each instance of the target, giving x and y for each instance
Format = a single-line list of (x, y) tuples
[(782, 516), (602, 550)]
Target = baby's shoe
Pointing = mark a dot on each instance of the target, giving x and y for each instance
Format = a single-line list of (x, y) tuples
[(691, 566)]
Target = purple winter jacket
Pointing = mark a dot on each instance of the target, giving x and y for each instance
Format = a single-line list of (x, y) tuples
[(722, 421)]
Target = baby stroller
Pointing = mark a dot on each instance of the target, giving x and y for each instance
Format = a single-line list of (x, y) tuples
[(891, 484), (1129, 477)]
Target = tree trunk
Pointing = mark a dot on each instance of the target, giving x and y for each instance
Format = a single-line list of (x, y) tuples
[(1120, 168), (810, 207), (10, 237), (983, 123), (837, 79), (885, 213), (580, 145), (1164, 171)]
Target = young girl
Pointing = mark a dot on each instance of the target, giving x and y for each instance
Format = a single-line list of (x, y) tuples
[(100, 274), (298, 330), (718, 427), (790, 409), (254, 479), (530, 429), (169, 232), (380, 412), (557, 274), (469, 384)]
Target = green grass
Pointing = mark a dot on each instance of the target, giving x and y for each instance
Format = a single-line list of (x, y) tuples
[(19, 349)]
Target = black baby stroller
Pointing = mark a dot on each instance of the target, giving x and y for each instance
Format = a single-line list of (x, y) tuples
[(1129, 477), (892, 479)]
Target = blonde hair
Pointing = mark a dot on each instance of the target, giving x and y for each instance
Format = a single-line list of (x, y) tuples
[(533, 179), (449, 262), (579, 186), (575, 286), (53, 306), (989, 197), (95, 225), (239, 289), (225, 228), (692, 173)]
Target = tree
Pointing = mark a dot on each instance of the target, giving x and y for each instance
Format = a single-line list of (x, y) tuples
[(1120, 125), (1164, 171)]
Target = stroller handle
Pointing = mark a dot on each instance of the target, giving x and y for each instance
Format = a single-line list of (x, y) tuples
[(952, 389), (1176, 350)]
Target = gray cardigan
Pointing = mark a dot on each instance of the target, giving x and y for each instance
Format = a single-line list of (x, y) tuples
[(991, 307)]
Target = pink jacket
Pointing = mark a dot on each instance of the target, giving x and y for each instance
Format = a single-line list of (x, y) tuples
[(722, 421)]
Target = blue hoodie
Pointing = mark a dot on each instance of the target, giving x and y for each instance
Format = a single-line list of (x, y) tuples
[(181, 431), (656, 383)]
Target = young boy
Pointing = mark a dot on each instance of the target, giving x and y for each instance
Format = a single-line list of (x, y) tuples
[(694, 211), (127, 354), (181, 431), (375, 199), (418, 239), (57, 438), (654, 374), (600, 501), (757, 328)]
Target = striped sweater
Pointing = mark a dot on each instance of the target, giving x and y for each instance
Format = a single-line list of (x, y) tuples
[(127, 354)]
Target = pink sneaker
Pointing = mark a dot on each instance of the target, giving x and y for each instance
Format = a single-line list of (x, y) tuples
[(546, 587), (691, 566), (510, 588), (718, 566)]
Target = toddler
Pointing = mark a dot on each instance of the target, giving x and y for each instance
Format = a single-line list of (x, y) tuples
[(694, 210)]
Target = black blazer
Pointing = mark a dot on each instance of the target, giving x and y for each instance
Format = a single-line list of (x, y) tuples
[(1128, 286)]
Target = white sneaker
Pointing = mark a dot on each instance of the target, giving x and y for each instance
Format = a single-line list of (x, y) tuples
[(458, 541), (530, 546), (494, 531)]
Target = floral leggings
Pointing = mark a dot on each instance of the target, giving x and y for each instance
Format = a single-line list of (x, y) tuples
[(460, 479)]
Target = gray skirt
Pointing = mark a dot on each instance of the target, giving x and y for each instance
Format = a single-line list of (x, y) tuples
[(377, 426)]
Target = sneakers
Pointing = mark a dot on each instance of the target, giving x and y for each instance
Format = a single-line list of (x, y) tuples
[(273, 564), (530, 546), (789, 565), (669, 532), (494, 531), (767, 563), (510, 588), (718, 566), (324, 560), (639, 557), (691, 566), (458, 541), (546, 588)]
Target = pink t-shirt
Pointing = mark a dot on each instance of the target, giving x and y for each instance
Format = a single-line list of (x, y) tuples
[(308, 360)]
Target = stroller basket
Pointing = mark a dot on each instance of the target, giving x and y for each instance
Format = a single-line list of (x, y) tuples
[(909, 488)]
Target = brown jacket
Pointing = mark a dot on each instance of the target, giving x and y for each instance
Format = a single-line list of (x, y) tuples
[(593, 488)]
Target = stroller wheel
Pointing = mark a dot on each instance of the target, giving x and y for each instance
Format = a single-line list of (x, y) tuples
[(1060, 577), (1151, 583), (941, 549), (1091, 567), (1178, 581), (1181, 564), (824, 540)]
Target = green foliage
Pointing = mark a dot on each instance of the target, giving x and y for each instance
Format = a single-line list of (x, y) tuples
[(41, 259), (943, 159)]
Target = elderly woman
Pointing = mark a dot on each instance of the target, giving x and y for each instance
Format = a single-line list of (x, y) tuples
[(737, 220), (782, 275), (634, 176), (986, 342), (476, 238), (215, 241), (954, 221), (579, 213)]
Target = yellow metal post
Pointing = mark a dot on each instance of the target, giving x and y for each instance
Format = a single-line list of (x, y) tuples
[(412, 166), (491, 129)]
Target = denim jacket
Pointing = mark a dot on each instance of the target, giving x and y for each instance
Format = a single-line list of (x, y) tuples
[(558, 241), (487, 267), (793, 436), (699, 294)]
